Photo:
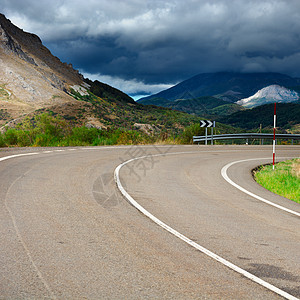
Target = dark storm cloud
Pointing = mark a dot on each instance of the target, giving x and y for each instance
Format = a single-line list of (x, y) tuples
[(145, 43)]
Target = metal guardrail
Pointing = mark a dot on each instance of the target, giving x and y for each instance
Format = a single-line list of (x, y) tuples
[(246, 136)]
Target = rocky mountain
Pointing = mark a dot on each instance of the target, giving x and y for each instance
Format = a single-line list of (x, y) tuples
[(227, 86), (270, 94), (31, 78)]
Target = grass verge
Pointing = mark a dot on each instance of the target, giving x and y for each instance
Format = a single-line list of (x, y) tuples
[(284, 180)]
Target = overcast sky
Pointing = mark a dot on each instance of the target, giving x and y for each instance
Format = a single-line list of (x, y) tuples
[(142, 47)]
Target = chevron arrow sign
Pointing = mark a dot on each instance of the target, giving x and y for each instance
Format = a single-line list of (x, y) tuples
[(206, 123)]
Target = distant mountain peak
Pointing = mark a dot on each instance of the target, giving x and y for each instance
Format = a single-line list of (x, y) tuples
[(227, 86), (270, 94)]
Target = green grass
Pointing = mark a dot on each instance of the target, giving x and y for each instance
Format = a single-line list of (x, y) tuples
[(283, 181)]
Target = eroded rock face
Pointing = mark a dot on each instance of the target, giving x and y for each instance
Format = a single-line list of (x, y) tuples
[(9, 44), (28, 47)]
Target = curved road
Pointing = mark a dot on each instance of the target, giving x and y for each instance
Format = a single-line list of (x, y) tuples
[(66, 232)]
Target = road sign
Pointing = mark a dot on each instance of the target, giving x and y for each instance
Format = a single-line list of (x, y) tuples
[(206, 123)]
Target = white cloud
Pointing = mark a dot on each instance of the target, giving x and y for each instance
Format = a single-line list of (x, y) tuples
[(133, 88)]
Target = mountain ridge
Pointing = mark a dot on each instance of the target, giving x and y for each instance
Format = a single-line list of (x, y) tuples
[(228, 86)]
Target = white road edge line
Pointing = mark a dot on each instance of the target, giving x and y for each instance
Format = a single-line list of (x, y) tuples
[(189, 241), (225, 176)]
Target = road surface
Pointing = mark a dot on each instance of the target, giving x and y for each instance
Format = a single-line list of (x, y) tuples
[(66, 232)]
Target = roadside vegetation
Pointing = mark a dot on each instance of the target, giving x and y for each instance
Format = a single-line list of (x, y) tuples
[(53, 130), (284, 180), (47, 130)]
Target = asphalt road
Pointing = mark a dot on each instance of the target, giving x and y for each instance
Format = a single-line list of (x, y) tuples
[(66, 232)]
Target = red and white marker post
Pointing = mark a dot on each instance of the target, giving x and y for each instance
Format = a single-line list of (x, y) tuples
[(274, 141)]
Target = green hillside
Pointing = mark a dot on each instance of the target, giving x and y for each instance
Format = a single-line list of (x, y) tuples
[(288, 115), (203, 106), (106, 91), (115, 109)]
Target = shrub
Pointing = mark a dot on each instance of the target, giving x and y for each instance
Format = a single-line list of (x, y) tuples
[(45, 140), (48, 124), (11, 137), (129, 137), (25, 138), (85, 135), (187, 136)]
